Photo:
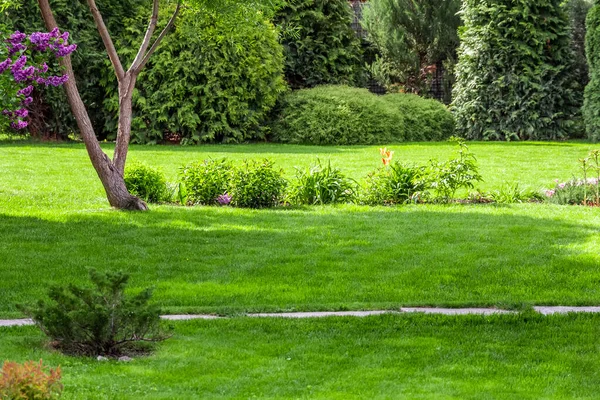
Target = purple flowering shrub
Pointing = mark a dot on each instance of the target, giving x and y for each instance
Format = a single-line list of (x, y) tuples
[(25, 67)]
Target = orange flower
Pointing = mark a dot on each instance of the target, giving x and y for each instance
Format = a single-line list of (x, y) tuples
[(386, 155)]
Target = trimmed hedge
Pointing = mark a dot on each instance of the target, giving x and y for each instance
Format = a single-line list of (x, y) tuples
[(341, 115), (591, 107), (515, 75)]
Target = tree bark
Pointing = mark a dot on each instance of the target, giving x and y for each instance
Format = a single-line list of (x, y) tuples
[(110, 174)]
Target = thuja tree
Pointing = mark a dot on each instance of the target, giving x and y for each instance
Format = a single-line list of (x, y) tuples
[(515, 72), (110, 171), (591, 107)]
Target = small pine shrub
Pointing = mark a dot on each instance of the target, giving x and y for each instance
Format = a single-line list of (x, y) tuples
[(340, 115), (146, 182), (395, 184), (98, 321), (29, 381), (321, 185), (206, 181), (257, 185)]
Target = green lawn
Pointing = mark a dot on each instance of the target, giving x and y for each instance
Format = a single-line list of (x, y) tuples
[(406, 356), (55, 223)]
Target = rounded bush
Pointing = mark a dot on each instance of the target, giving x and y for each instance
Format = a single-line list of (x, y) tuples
[(341, 115), (213, 79), (146, 183), (257, 185), (205, 181)]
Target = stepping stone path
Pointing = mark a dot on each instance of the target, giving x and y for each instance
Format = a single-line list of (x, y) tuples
[(320, 314)]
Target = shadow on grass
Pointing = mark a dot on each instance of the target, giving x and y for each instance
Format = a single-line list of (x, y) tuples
[(228, 260)]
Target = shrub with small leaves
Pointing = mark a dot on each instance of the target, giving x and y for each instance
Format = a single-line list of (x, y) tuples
[(395, 184), (257, 184), (29, 381), (98, 321), (321, 185), (205, 182), (146, 182)]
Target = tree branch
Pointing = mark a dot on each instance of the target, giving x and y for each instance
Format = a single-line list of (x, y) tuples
[(107, 40), (147, 38), (160, 37)]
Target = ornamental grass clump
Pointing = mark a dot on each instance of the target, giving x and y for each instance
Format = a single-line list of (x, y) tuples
[(100, 320), (321, 185)]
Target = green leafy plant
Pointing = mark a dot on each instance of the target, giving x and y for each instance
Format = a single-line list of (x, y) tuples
[(101, 320), (257, 184), (461, 172), (320, 46), (342, 115), (515, 74), (513, 193), (29, 381), (395, 183), (204, 182), (321, 185), (146, 182)]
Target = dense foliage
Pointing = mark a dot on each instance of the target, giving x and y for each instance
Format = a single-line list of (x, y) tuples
[(50, 115), (212, 79), (515, 76), (147, 183), (342, 115), (29, 381), (320, 45), (412, 38), (203, 182), (320, 184), (591, 107), (257, 184), (578, 10), (99, 320)]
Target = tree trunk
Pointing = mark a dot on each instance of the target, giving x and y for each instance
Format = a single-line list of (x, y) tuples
[(125, 118), (110, 175)]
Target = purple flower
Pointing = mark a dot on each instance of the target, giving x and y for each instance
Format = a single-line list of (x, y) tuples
[(27, 101), (5, 64), (16, 38), (26, 91), (224, 199), (56, 80), (21, 113), (550, 193), (19, 125), (62, 51)]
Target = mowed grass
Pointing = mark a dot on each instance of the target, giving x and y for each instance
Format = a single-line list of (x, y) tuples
[(391, 356), (55, 224)]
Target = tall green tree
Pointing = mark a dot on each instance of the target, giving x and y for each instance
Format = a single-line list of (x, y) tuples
[(591, 106), (319, 44), (515, 76), (412, 37)]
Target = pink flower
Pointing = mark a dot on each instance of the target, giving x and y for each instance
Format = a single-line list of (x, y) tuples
[(550, 193)]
